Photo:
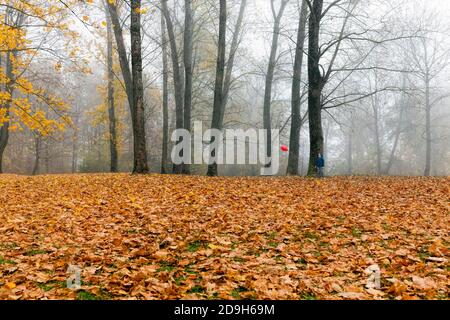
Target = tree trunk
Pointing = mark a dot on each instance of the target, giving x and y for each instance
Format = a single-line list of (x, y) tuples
[(377, 136), (376, 124), (4, 129), (270, 74), (296, 121), (428, 127), (230, 63), (123, 57), (398, 132), (140, 151), (75, 148), (394, 147), (187, 58), (177, 78), (350, 147), (37, 154), (47, 157), (218, 89), (111, 104), (165, 101), (315, 87), (4, 137), (133, 80)]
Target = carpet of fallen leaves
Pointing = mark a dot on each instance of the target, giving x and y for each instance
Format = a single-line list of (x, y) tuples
[(179, 237)]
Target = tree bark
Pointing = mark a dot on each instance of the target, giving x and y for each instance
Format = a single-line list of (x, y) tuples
[(165, 101), (133, 80), (220, 68), (350, 147), (230, 63), (4, 129), (187, 63), (398, 131), (177, 78), (187, 58), (75, 148), (315, 87), (122, 52), (427, 126), (37, 154), (270, 74), (111, 103), (376, 125), (296, 121), (140, 151)]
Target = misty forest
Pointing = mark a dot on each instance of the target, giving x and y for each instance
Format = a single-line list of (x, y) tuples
[(365, 82), (91, 91)]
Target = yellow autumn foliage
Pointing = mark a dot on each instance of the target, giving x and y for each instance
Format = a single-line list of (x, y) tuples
[(22, 102)]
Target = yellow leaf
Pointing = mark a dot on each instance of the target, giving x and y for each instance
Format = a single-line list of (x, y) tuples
[(11, 285)]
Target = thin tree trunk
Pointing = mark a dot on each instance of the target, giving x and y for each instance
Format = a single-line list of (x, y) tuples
[(296, 121), (270, 74), (377, 136), (165, 105), (187, 58), (218, 89), (315, 87), (75, 148), (394, 147), (4, 137), (123, 57), (37, 154), (398, 132), (428, 127), (325, 142), (230, 63), (376, 124), (4, 129), (111, 103), (350, 147), (177, 78), (47, 157)]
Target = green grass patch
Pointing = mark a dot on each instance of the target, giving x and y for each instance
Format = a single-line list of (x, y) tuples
[(179, 280), (84, 295), (51, 285), (310, 235), (423, 253), (8, 246), (6, 261), (165, 266), (356, 232), (236, 293), (271, 235), (196, 245), (308, 296), (190, 271), (196, 289), (45, 287), (34, 252)]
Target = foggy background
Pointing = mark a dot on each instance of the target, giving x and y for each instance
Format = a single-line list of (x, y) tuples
[(374, 120)]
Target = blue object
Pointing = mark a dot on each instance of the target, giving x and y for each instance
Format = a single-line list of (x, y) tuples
[(320, 162)]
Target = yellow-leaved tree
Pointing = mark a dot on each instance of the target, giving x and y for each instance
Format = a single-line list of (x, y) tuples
[(29, 31)]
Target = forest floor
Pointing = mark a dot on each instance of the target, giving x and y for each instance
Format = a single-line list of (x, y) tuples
[(172, 237)]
